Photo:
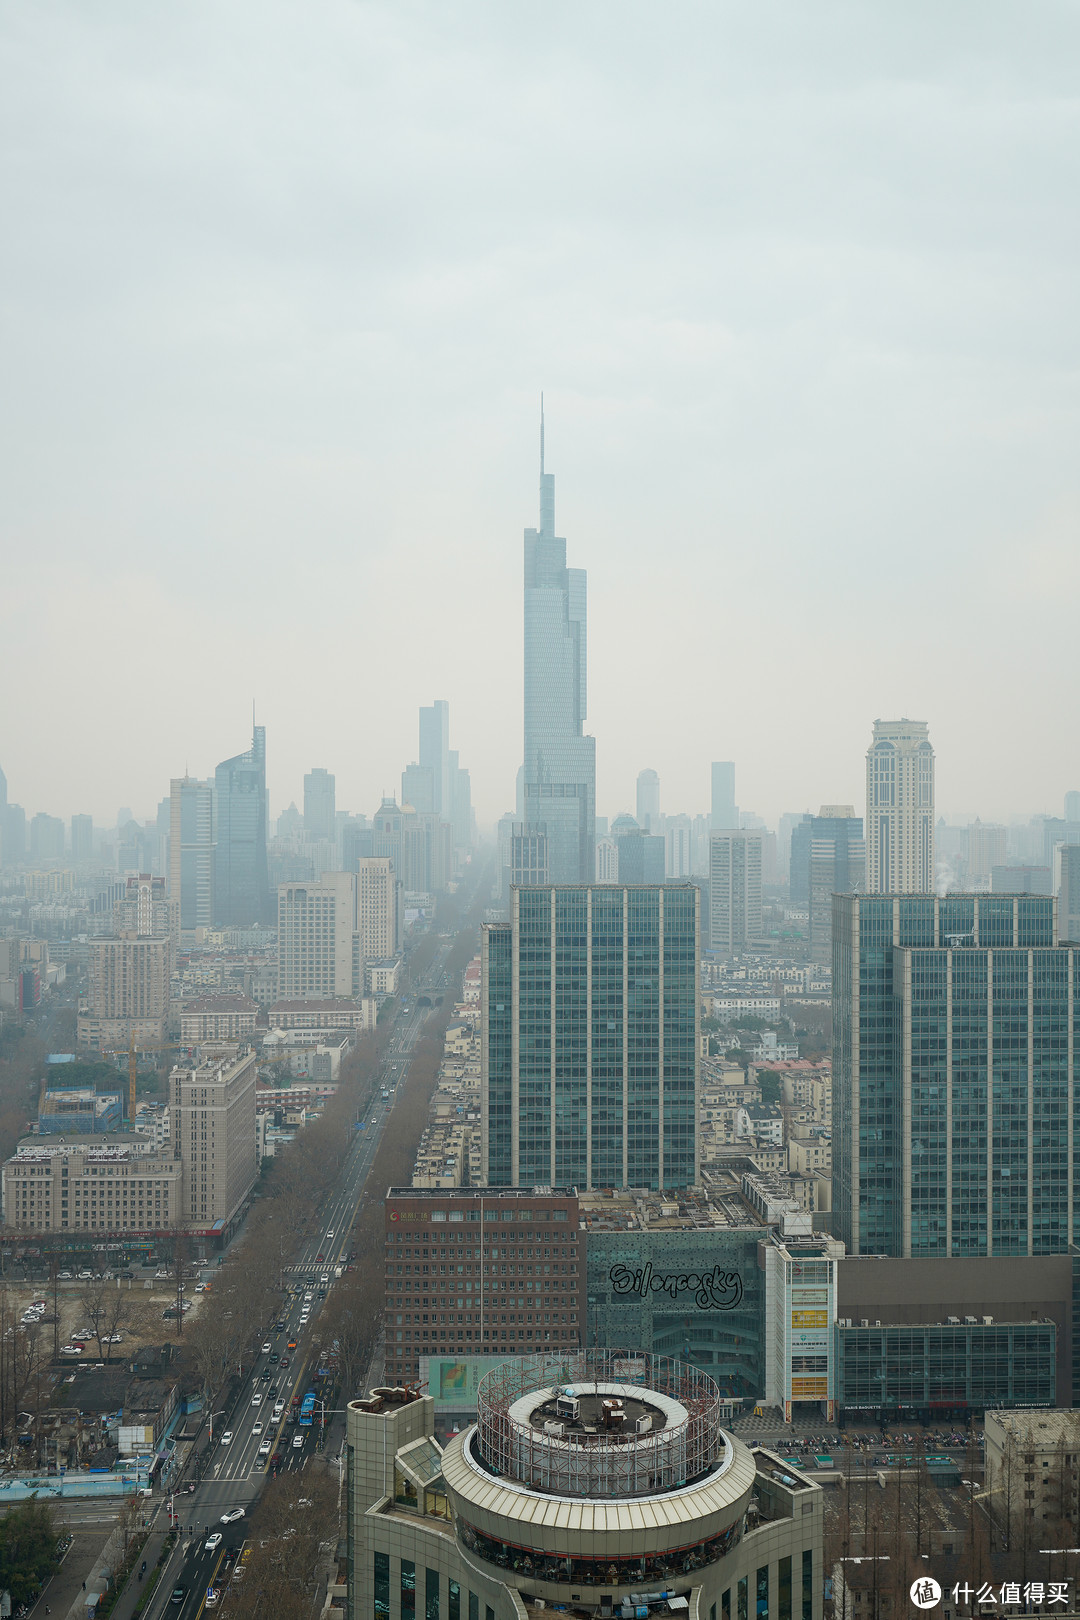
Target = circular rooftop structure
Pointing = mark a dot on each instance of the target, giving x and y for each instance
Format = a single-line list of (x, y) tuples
[(601, 1467), (610, 1423)]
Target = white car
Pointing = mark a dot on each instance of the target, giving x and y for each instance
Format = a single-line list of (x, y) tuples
[(329, 1235), (325, 1278), (226, 1437), (256, 1399), (264, 1449), (212, 1541), (308, 1297), (267, 1347), (297, 1441), (279, 1408), (232, 1515), (304, 1318), (256, 1428)]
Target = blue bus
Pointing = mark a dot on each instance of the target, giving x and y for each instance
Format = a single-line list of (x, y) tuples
[(307, 1409)]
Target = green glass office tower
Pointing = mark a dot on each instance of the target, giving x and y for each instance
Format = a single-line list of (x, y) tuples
[(241, 877), (590, 1037), (955, 1075)]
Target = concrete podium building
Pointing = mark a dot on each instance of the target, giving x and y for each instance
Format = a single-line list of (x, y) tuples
[(595, 1483)]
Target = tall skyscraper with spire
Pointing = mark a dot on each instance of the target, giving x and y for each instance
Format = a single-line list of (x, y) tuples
[(560, 761), (241, 876)]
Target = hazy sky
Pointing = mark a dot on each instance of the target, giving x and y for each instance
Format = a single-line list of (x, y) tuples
[(281, 283)]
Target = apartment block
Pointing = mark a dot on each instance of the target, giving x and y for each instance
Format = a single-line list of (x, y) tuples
[(128, 991), (212, 1113)]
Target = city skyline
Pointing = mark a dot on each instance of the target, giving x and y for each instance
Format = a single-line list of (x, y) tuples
[(760, 393)]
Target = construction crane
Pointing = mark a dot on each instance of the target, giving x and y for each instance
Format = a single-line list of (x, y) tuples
[(131, 1051)]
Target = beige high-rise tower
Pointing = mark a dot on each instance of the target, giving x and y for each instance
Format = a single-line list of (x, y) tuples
[(900, 809)]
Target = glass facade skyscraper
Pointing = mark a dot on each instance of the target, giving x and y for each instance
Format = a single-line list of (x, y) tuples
[(955, 1072), (241, 875), (590, 1037), (560, 761)]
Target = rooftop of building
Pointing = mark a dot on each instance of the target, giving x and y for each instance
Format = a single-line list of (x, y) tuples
[(1041, 1426), (626, 1209), (480, 1194), (98, 1144)]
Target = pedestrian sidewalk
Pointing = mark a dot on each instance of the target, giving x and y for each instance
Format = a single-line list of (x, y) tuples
[(124, 1607)]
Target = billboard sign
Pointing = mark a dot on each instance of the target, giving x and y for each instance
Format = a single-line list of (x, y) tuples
[(452, 1381)]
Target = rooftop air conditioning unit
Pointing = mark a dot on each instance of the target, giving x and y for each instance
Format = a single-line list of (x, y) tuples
[(864, 1321), (988, 1321), (953, 1321)]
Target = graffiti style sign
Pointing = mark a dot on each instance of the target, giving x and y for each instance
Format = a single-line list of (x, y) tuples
[(715, 1290)]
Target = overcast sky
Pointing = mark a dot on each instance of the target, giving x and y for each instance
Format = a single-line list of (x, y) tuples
[(282, 282)]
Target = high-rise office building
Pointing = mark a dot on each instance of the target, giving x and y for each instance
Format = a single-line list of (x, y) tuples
[(435, 755), (191, 852), (648, 800), (678, 832), (1069, 893), (828, 856), (724, 815), (560, 761), (985, 849), (318, 940), (461, 814), (319, 808), (418, 788), (46, 838), (590, 1037), (212, 1118), (82, 840), (1072, 806), (956, 1073), (640, 856), (900, 809), (378, 902), (241, 873), (735, 860), (13, 835)]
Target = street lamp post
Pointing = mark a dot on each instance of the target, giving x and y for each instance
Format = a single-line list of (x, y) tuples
[(213, 1415)]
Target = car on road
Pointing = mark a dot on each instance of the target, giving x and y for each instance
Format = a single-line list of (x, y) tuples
[(64, 1276), (325, 1278), (292, 1344), (232, 1515), (256, 1399), (279, 1407), (322, 1293), (264, 1449), (297, 1441), (256, 1428), (212, 1542), (285, 1362), (279, 1327), (179, 1593), (226, 1437), (212, 1599), (267, 1347), (274, 1359)]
